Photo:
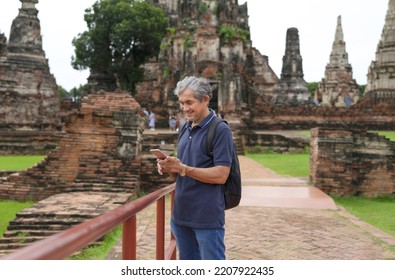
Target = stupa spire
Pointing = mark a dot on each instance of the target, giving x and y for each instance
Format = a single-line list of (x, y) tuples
[(338, 88), (380, 74), (292, 87), (339, 56), (25, 35)]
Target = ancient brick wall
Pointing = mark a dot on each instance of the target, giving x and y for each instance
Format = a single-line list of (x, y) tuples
[(99, 151), (364, 115), (352, 162), (28, 142), (275, 142)]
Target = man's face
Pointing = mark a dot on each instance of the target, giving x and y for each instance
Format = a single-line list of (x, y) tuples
[(194, 109)]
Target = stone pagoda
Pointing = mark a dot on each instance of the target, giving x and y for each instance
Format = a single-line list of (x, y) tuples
[(209, 38), (338, 88), (292, 88), (381, 80), (29, 98)]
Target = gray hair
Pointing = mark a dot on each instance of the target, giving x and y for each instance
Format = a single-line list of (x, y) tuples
[(199, 86)]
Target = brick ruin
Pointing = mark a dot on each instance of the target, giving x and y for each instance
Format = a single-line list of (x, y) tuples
[(337, 94), (245, 86), (30, 107), (352, 162), (99, 151), (207, 38), (210, 39), (100, 163)]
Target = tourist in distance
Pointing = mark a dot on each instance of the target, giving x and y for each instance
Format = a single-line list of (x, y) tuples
[(151, 124), (146, 121), (172, 122)]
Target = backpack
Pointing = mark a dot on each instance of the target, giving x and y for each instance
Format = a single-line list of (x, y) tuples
[(232, 186)]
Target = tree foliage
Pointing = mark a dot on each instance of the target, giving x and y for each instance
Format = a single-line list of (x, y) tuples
[(361, 89), (121, 36), (312, 87), (62, 93), (74, 94)]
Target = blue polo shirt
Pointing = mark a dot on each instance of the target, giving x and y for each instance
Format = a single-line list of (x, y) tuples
[(198, 204)]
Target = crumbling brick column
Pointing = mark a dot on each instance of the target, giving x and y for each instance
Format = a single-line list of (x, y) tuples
[(352, 162)]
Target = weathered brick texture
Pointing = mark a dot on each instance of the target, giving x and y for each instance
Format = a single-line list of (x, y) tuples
[(99, 151), (352, 162)]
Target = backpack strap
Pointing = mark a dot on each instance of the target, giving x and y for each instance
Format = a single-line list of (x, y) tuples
[(212, 129), (182, 130)]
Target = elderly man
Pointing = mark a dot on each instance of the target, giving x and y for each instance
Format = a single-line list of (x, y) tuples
[(199, 209)]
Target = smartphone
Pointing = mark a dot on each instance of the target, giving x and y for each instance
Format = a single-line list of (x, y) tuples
[(158, 153)]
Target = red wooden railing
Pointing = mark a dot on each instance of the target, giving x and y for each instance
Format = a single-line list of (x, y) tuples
[(64, 244)]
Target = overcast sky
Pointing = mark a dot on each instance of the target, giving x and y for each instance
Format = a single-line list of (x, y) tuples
[(362, 21)]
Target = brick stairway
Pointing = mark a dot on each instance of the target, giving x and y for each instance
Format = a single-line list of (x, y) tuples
[(55, 214)]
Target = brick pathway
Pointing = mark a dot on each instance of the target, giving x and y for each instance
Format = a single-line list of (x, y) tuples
[(293, 227)]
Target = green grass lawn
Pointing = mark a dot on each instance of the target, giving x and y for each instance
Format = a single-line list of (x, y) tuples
[(389, 134), (8, 210), (295, 165), (305, 133), (16, 163), (379, 212)]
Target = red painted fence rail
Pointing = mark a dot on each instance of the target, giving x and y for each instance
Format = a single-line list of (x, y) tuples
[(64, 244)]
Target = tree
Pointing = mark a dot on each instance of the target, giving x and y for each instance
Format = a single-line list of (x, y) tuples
[(361, 89), (74, 94), (63, 94), (77, 93), (121, 36), (312, 87)]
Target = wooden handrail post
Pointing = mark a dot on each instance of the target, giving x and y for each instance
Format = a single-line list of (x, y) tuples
[(172, 238), (160, 229), (129, 239)]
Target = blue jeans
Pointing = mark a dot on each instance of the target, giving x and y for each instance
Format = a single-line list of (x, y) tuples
[(199, 243)]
